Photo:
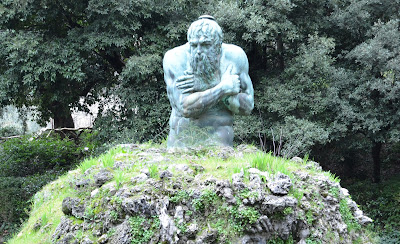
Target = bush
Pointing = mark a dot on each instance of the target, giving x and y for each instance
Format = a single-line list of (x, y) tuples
[(28, 156), (381, 203), (15, 193), (27, 164)]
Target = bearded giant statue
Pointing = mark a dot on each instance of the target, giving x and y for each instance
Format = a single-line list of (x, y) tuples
[(207, 83)]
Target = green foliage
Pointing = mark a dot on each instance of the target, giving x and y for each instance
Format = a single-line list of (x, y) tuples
[(243, 216), (107, 160), (310, 217), (15, 193), (178, 197), (269, 163), (143, 229), (87, 164), (27, 165), (26, 155), (206, 200), (380, 202), (347, 215), (334, 191), (154, 171)]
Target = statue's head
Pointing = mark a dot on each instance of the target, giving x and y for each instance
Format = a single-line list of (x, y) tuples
[(205, 40), (206, 27)]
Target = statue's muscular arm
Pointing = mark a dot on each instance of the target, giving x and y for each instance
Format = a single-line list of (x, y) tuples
[(243, 102)]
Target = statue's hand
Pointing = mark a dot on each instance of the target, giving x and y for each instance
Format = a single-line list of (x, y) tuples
[(230, 82), (185, 83)]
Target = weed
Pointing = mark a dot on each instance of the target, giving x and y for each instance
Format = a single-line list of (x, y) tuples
[(87, 163), (114, 215), (89, 213), (248, 194), (107, 160), (267, 162), (142, 229), (181, 195), (347, 216), (288, 210), (206, 199), (181, 226), (120, 177), (313, 241), (153, 170), (309, 217), (334, 191), (297, 193)]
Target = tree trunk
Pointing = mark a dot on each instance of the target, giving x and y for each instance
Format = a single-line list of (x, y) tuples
[(279, 49), (376, 156), (63, 120)]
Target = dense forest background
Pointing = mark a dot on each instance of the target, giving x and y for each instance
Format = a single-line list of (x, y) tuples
[(325, 74)]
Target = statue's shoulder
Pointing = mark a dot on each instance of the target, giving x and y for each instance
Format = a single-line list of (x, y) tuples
[(177, 53), (234, 54)]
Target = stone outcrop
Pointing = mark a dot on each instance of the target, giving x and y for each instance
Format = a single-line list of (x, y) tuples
[(171, 202)]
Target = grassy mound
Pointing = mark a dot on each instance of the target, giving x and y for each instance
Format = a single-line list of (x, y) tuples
[(135, 193)]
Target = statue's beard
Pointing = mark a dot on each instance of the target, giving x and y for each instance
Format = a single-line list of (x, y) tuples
[(204, 69)]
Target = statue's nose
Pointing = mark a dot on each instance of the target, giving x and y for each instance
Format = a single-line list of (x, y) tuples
[(199, 48)]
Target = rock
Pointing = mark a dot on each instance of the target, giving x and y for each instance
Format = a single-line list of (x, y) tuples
[(102, 177), (273, 204), (361, 218), (103, 239), (210, 181), (297, 159), (179, 214), (86, 240), (111, 187), (183, 168), (138, 206), (165, 174), (145, 171), (313, 165), (68, 239), (62, 229), (207, 237), (94, 193), (73, 206), (198, 168), (263, 224), (192, 230), (139, 178), (122, 164), (237, 181), (280, 185), (82, 183), (168, 230), (122, 234)]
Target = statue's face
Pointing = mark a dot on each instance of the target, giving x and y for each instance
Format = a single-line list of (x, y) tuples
[(204, 57), (200, 45)]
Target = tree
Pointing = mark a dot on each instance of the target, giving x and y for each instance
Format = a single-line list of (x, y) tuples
[(376, 96)]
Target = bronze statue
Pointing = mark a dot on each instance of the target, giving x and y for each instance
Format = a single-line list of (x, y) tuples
[(207, 83)]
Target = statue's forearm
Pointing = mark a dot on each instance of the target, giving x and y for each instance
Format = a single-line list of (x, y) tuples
[(196, 103), (239, 104)]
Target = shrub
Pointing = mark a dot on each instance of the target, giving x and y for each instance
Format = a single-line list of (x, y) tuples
[(27, 156), (15, 193), (27, 164)]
